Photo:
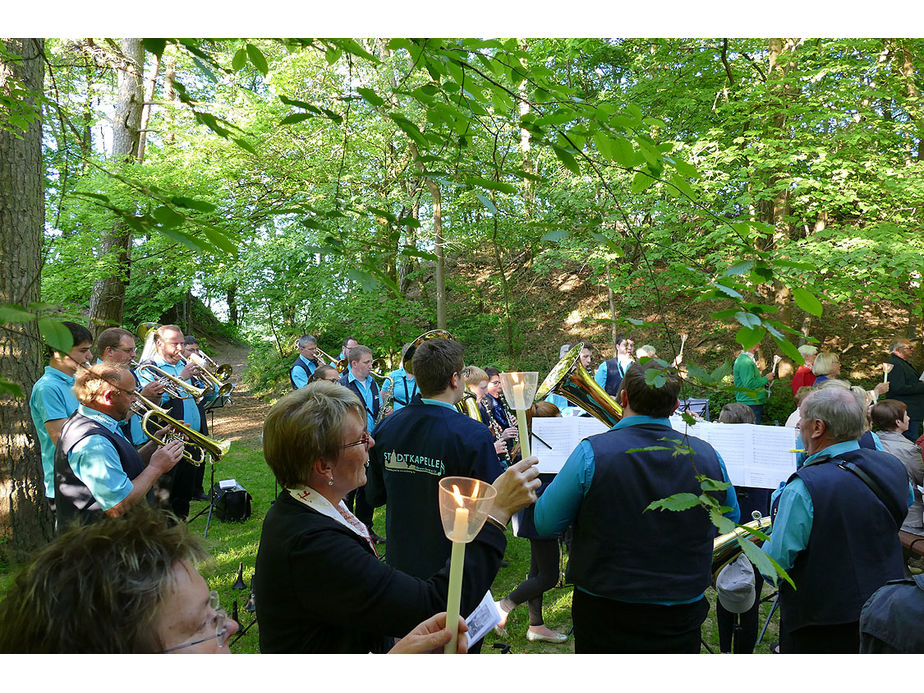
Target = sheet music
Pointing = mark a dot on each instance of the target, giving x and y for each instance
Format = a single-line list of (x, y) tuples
[(559, 437), (755, 456)]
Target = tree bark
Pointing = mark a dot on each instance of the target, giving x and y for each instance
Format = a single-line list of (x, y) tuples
[(24, 517), (108, 299), (439, 273)]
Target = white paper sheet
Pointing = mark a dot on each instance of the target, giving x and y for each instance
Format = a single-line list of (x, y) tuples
[(555, 438), (482, 619)]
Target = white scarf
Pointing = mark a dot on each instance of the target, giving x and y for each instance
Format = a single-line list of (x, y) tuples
[(314, 500)]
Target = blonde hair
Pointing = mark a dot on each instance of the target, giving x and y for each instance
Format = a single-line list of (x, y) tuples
[(91, 382), (825, 363), (474, 375), (305, 426)]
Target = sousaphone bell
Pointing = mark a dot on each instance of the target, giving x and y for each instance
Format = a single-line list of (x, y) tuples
[(571, 380)]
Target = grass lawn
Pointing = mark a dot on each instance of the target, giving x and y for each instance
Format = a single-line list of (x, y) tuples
[(231, 544)]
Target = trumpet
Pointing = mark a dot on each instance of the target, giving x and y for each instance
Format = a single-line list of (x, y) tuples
[(205, 446), (224, 388), (222, 372), (173, 386)]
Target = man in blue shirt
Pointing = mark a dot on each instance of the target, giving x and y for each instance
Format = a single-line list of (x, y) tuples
[(358, 379), (835, 527), (610, 373), (97, 469), (401, 385), (306, 363), (52, 399), (564, 406), (168, 344), (639, 576)]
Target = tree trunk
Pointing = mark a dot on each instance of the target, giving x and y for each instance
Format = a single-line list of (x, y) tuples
[(24, 517), (146, 109), (233, 314), (108, 299), (439, 274)]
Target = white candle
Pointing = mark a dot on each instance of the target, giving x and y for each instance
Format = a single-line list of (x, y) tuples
[(456, 561), (524, 432)]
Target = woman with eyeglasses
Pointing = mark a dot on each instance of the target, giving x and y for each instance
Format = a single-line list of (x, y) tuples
[(319, 585), (328, 373)]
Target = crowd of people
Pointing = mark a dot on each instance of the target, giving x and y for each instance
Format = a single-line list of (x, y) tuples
[(348, 439)]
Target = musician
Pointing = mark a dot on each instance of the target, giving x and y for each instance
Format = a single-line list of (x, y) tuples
[(168, 345), (358, 378), (639, 577), (748, 376), (610, 373), (835, 536), (116, 346), (325, 372), (306, 363), (497, 408), (402, 385), (120, 585), (97, 469), (348, 344), (564, 406), (905, 385), (415, 448), (52, 399), (476, 382)]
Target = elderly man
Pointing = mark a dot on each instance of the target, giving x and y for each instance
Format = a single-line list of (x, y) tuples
[(610, 373), (835, 527), (306, 363), (97, 469), (752, 384), (186, 482), (52, 399), (417, 446), (906, 386), (804, 377), (639, 576), (358, 379), (116, 346)]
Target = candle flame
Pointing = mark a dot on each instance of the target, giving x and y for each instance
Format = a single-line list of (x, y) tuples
[(515, 377), (457, 494), (477, 486)]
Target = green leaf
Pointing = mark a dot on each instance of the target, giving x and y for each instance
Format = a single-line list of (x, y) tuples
[(487, 203), (154, 45), (14, 314), (727, 290), (604, 144), (749, 336), (791, 351), (556, 236), (688, 418), (707, 484), (296, 118), (332, 55), (257, 58), (364, 279), (682, 185), (167, 217), (239, 60), (677, 502), (567, 159), (655, 378), (719, 520), (244, 144), (739, 268), (762, 561), (409, 129), (409, 221), (8, 387), (491, 184), (220, 241), (747, 319), (191, 203), (624, 153), (807, 302), (370, 96), (641, 182), (56, 335)]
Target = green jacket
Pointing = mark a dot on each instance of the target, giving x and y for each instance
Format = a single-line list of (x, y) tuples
[(747, 375)]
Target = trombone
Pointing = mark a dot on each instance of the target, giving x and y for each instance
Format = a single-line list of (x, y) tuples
[(205, 446), (224, 388), (339, 364), (173, 386), (222, 372)]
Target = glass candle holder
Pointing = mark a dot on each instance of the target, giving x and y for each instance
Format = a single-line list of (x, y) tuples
[(519, 388), (464, 506)]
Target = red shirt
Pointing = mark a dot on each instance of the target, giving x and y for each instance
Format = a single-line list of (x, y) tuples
[(801, 378)]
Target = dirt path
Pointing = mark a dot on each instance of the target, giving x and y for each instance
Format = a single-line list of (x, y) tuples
[(242, 419)]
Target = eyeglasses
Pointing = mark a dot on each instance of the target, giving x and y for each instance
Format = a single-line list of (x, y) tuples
[(334, 380), (131, 350), (365, 440), (218, 622)]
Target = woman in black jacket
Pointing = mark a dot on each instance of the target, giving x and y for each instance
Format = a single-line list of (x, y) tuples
[(319, 585)]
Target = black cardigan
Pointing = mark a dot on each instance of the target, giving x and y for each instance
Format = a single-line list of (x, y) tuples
[(905, 387), (319, 588)]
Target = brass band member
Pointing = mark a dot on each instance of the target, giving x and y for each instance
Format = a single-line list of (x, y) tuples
[(497, 408)]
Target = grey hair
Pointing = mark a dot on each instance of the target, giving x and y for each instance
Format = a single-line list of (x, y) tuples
[(842, 414), (307, 339), (897, 343), (833, 382)]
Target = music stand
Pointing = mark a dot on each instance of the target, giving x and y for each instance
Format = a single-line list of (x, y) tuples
[(700, 407), (211, 506)]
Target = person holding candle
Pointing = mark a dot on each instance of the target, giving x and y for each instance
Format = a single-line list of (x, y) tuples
[(416, 447), (753, 386), (319, 586), (639, 577), (906, 385)]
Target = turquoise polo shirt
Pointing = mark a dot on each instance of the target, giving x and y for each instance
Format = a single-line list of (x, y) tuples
[(52, 398)]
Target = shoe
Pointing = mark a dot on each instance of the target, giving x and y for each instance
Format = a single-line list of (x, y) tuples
[(556, 638), (500, 632), (504, 564), (201, 496), (376, 539), (501, 628)]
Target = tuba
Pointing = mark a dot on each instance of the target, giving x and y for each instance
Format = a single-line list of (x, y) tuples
[(726, 548), (205, 446), (571, 380), (469, 406), (408, 356)]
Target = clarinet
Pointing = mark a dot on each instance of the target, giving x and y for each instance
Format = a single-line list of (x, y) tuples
[(511, 417), (496, 429)]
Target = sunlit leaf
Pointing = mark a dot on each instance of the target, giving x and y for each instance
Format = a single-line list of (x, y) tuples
[(487, 203), (748, 337), (257, 59), (56, 335), (806, 301)]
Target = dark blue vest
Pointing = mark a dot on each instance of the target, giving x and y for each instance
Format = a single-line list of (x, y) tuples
[(300, 363), (622, 552), (73, 500), (345, 381), (853, 548), (613, 377), (890, 622)]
